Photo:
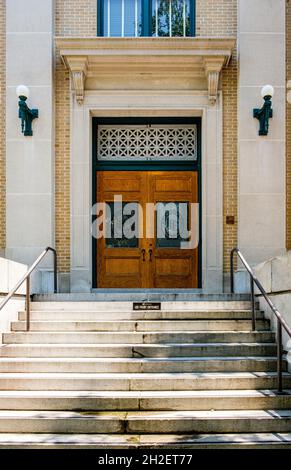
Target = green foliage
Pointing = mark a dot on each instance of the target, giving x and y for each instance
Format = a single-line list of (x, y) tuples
[(177, 17)]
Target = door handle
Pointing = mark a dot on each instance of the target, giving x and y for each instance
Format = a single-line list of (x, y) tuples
[(143, 254), (150, 253)]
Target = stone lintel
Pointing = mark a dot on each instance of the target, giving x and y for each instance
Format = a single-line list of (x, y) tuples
[(85, 57)]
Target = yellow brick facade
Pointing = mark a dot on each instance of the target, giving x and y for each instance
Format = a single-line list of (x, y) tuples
[(76, 18), (219, 18), (72, 18), (79, 18), (288, 126), (2, 124)]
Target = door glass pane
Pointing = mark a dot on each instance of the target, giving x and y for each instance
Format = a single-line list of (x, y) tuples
[(171, 18), (122, 225), (172, 224)]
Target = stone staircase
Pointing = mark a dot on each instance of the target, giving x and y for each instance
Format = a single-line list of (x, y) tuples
[(99, 375)]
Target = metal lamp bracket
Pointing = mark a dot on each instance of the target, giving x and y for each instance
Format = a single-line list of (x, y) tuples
[(26, 115), (263, 115)]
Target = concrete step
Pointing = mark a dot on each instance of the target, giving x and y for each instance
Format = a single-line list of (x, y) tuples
[(138, 350), (82, 315), (210, 422), (98, 374), (138, 337), (162, 422), (142, 382), (134, 365), (220, 303), (146, 441), (142, 326), (178, 400), (123, 296)]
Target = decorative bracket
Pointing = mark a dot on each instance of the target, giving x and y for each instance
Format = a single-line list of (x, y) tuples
[(213, 67), (78, 67)]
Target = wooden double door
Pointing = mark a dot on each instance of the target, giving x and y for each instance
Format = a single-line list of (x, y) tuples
[(148, 240)]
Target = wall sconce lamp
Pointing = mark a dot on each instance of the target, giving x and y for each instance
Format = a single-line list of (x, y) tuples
[(25, 114), (266, 112)]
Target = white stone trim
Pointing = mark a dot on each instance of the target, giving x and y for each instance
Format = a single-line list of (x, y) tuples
[(121, 103)]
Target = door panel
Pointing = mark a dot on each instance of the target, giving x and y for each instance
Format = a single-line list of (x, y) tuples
[(172, 266), (154, 257), (119, 259)]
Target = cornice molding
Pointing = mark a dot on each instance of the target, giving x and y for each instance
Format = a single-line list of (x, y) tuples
[(85, 57)]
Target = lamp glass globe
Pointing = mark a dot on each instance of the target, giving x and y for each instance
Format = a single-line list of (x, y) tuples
[(267, 90), (22, 90)]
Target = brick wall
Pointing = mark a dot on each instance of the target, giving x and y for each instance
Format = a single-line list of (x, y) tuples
[(76, 18), (2, 123), (72, 18), (216, 17), (219, 18), (288, 126)]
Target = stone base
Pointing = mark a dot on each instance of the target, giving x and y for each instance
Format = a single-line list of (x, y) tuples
[(241, 282)]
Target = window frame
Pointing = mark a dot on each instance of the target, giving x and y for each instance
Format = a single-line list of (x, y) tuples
[(146, 19)]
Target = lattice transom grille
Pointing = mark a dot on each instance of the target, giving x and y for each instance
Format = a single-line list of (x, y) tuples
[(147, 142)]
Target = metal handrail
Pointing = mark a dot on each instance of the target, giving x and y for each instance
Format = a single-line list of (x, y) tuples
[(280, 320), (26, 277)]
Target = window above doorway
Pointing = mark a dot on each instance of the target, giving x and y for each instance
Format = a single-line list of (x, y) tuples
[(152, 142), (136, 18)]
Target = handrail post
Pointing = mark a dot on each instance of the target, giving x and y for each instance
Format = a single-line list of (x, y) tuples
[(253, 304), (55, 272), (28, 303), (279, 356), (232, 272)]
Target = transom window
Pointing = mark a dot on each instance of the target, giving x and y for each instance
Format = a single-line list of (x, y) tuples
[(134, 18), (147, 142)]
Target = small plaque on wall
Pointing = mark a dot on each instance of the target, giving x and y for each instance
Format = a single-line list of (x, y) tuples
[(230, 220), (146, 305)]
